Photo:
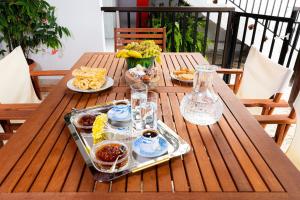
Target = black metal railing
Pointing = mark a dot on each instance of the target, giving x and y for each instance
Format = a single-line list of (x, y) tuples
[(179, 16), (283, 9), (294, 43), (250, 30), (216, 35)]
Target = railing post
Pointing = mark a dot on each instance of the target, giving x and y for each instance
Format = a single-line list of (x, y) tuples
[(296, 32), (296, 76), (296, 84), (173, 32), (228, 39), (286, 42), (230, 42)]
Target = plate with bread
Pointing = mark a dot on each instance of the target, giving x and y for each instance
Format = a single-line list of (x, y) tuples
[(184, 75), (89, 80)]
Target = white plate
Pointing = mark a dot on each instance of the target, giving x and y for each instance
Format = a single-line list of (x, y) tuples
[(175, 78), (109, 82)]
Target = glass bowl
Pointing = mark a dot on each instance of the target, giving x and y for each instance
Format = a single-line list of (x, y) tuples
[(84, 121), (105, 153)]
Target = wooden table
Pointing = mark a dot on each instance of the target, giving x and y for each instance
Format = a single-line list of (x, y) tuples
[(232, 159)]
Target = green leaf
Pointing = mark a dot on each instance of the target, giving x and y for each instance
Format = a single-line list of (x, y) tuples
[(31, 24)]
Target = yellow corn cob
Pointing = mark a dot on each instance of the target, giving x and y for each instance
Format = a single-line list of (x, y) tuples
[(98, 128)]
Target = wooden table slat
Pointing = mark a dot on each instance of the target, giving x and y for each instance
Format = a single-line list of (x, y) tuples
[(63, 167), (73, 179), (150, 180), (166, 72), (87, 181)]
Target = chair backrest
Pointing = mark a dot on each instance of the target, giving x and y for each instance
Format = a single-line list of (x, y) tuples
[(123, 36), (262, 78), (294, 150), (15, 81)]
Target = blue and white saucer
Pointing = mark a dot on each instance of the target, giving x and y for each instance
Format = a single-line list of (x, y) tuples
[(163, 148)]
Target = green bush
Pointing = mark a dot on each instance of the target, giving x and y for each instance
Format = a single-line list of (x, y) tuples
[(184, 27), (30, 24)]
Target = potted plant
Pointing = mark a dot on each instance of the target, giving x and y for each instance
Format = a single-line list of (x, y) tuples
[(140, 53), (30, 24)]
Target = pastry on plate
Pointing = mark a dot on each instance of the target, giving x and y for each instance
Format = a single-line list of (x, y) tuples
[(184, 74), (87, 78)]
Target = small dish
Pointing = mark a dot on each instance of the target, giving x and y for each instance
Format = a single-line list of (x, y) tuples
[(173, 76), (137, 148), (107, 152), (109, 83), (84, 121)]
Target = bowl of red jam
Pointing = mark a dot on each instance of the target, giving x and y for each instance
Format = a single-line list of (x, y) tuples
[(105, 154), (84, 121)]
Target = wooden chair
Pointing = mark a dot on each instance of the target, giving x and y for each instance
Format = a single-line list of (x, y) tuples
[(123, 36), (256, 73), (267, 105), (283, 124), (20, 100)]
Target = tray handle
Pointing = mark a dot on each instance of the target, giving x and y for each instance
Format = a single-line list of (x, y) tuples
[(151, 163)]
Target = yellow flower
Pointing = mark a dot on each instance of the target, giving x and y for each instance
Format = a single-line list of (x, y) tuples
[(158, 59), (134, 54), (122, 53)]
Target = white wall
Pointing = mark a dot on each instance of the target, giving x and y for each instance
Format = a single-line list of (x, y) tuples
[(84, 20)]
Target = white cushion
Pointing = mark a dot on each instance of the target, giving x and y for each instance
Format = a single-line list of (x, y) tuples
[(15, 81), (262, 77)]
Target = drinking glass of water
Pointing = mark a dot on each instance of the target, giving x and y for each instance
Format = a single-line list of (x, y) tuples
[(149, 111), (138, 99)]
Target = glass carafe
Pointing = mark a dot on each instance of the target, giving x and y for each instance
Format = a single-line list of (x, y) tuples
[(202, 106)]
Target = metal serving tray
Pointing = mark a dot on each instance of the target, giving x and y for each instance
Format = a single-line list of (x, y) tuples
[(176, 146)]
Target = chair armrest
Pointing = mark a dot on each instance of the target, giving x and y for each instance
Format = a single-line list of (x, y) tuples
[(5, 136), (238, 77), (275, 119), (264, 103), (229, 71), (17, 111), (49, 73)]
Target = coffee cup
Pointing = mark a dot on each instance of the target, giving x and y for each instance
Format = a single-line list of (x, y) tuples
[(150, 141), (119, 116)]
